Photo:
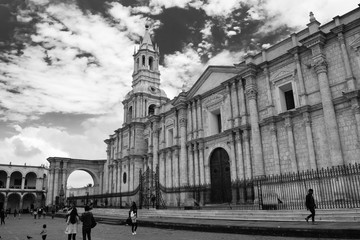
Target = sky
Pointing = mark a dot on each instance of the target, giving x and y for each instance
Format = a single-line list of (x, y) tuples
[(66, 65)]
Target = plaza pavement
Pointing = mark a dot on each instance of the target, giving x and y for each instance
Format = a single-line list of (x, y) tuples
[(26, 225)]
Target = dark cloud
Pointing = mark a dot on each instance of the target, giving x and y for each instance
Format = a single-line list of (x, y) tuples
[(22, 150), (69, 122)]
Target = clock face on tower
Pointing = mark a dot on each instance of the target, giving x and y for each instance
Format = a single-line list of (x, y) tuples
[(153, 89)]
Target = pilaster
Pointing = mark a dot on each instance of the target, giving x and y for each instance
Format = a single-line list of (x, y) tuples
[(292, 150)]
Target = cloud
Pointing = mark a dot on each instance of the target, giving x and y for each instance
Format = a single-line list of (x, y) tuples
[(282, 12)]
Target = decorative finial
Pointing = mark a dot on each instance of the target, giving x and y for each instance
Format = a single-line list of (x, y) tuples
[(312, 17), (183, 88)]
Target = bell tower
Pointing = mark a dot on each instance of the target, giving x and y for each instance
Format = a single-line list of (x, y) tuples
[(146, 94)]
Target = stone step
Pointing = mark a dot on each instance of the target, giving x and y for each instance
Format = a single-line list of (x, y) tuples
[(336, 215)]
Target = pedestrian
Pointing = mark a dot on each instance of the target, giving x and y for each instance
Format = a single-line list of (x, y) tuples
[(40, 211), (2, 216), (15, 213), (53, 212), (35, 213), (133, 216), (72, 222), (310, 205), (88, 221), (44, 213), (43, 232)]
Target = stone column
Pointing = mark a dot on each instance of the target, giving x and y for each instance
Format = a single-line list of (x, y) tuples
[(270, 104), (196, 164), (239, 156), (193, 113), (50, 198), (22, 183), (310, 142), (339, 31), (201, 163), (247, 153), (301, 86), (156, 145), (251, 94), (5, 201), (162, 168), (169, 164), (64, 176), (163, 132), (190, 128), (7, 182), (175, 167), (56, 182), (231, 108), (235, 97), (242, 103), (191, 165), (119, 176), (274, 142), (233, 159), (199, 117), (183, 165), (101, 188), (316, 44), (21, 202), (292, 150)]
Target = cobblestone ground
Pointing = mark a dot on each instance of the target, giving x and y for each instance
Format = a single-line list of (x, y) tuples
[(20, 228)]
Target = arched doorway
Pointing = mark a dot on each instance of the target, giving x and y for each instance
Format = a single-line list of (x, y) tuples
[(220, 176), (28, 202), (13, 202)]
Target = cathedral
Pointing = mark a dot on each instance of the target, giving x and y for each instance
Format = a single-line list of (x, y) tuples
[(289, 108)]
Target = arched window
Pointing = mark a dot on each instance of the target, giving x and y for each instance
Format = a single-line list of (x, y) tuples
[(143, 60), (151, 63), (124, 177), (151, 109), (130, 113)]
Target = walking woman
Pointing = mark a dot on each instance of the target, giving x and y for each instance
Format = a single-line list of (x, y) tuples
[(133, 216), (72, 223)]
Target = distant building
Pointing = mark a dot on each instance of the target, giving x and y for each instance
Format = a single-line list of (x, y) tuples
[(22, 187)]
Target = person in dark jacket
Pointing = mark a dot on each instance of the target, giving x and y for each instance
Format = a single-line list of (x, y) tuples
[(310, 205), (87, 219), (2, 216)]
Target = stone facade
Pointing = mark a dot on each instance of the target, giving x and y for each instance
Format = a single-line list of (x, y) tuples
[(22, 187), (289, 108)]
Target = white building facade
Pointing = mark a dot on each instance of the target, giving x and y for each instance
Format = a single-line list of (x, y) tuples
[(292, 107)]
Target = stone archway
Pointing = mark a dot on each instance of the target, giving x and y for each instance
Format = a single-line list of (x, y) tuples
[(13, 201), (29, 201), (61, 168), (220, 176)]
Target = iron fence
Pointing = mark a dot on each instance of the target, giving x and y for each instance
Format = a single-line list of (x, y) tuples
[(334, 187)]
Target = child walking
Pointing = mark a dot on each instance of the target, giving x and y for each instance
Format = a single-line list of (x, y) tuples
[(43, 232)]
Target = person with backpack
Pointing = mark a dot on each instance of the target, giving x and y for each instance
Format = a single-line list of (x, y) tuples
[(88, 221)]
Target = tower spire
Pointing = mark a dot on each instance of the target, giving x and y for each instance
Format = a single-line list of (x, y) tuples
[(146, 42)]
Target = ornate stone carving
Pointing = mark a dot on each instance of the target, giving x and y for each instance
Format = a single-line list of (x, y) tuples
[(320, 64), (213, 99), (169, 122), (182, 122), (251, 93)]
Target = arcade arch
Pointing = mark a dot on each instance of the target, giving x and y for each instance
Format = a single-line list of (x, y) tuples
[(3, 179), (29, 200), (13, 201), (30, 180), (16, 180)]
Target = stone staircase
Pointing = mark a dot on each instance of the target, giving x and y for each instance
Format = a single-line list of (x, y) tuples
[(333, 215)]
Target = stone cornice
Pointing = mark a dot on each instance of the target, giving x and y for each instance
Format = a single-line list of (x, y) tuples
[(318, 38)]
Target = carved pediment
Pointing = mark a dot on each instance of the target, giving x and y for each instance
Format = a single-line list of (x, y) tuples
[(355, 44), (169, 122), (212, 77), (213, 100), (282, 73)]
